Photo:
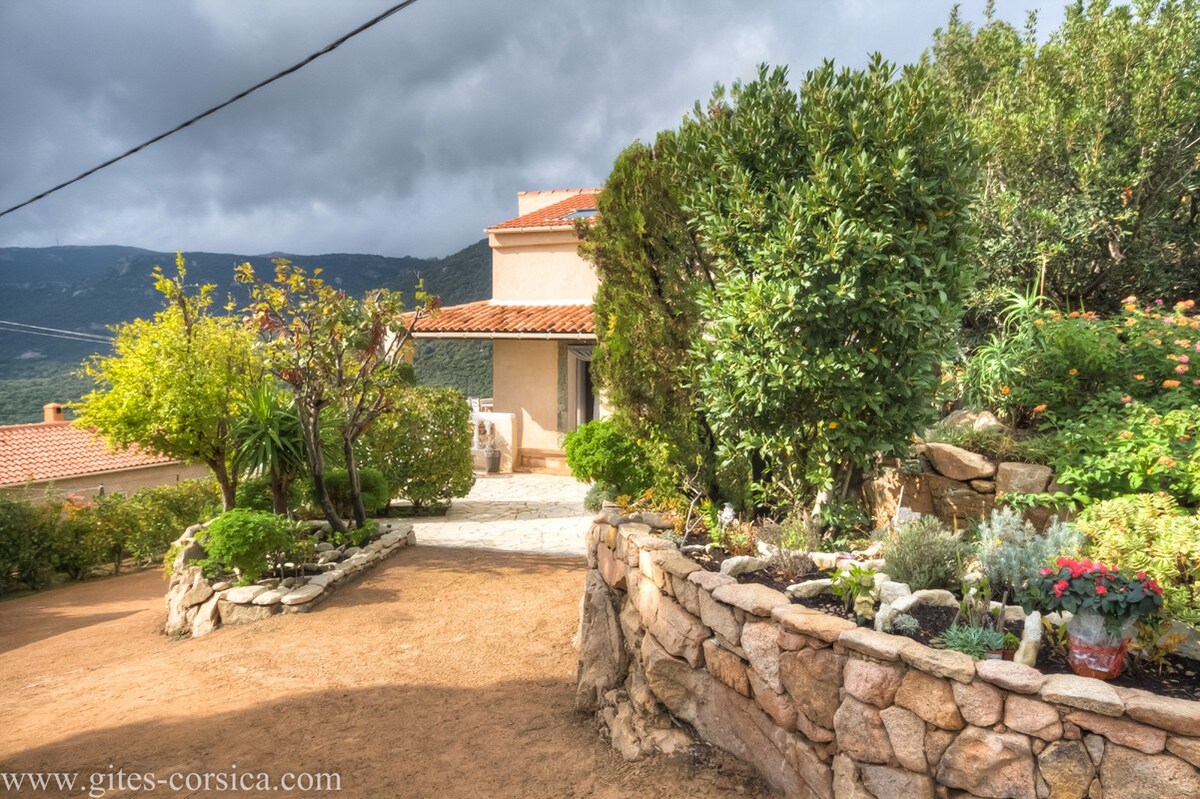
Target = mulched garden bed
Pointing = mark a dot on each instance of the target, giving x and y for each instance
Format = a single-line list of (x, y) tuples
[(1179, 678)]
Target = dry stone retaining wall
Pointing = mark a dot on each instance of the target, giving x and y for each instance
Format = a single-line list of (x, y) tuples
[(821, 708)]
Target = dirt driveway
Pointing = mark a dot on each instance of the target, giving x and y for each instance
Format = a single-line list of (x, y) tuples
[(442, 673)]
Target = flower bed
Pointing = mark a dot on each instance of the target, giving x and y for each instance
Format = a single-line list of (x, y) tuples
[(821, 707), (197, 605)]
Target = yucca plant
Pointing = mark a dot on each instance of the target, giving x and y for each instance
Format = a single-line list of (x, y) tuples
[(270, 441)]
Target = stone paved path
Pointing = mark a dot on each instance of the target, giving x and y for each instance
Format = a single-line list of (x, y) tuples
[(533, 513)]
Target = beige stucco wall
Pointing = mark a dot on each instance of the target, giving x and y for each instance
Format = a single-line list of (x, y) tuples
[(530, 201), (525, 383), (540, 267), (123, 482)]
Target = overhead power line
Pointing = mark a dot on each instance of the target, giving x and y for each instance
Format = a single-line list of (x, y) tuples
[(51, 332), (329, 48)]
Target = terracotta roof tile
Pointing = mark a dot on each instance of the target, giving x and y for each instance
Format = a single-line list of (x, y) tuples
[(489, 317), (552, 215), (34, 452)]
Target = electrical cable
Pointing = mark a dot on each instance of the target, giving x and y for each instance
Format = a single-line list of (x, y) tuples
[(295, 67), (76, 333)]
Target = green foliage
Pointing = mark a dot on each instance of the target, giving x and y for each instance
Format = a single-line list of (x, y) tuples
[(1113, 449), (374, 487), (26, 546), (856, 588), (270, 441), (1092, 149), (255, 493), (1117, 596), (651, 267), (905, 624), (1149, 533), (599, 452), (463, 365), (334, 351), (998, 445), (924, 554), (25, 386), (422, 446), (1012, 553), (973, 641), (844, 523), (246, 540), (596, 496), (837, 224), (173, 383), (1044, 360), (159, 514)]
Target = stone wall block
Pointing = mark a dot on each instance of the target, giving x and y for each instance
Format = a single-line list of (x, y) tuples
[(906, 732), (860, 732), (719, 617), (680, 633), (931, 698), (989, 764), (812, 678), (873, 683), (1032, 717), (760, 641), (726, 667), (981, 704)]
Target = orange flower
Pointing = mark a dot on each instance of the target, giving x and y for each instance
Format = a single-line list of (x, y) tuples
[(1005, 390), (1039, 408), (1125, 434), (1072, 371), (1139, 377), (1170, 383), (1167, 460), (833, 425)]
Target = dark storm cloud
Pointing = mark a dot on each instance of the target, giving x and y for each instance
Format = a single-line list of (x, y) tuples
[(408, 140)]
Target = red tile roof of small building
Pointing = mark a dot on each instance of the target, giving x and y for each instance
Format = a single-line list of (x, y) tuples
[(45, 451), (489, 317), (552, 215)]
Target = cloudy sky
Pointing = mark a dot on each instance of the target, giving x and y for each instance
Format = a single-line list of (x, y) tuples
[(408, 140)]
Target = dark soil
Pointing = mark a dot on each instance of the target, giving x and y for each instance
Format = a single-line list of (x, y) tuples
[(1179, 677)]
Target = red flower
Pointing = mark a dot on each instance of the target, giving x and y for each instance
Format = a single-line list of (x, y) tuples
[(1047, 571), (1101, 590), (1059, 587)]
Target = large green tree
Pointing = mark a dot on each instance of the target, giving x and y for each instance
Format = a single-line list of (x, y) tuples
[(337, 353), (173, 383), (1091, 143), (651, 268), (838, 223)]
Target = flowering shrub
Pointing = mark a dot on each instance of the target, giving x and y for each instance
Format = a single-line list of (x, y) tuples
[(1163, 348), (1081, 585), (1149, 532), (1047, 365), (1110, 451)]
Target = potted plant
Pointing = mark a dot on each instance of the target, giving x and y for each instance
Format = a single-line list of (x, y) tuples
[(1105, 603), (487, 443)]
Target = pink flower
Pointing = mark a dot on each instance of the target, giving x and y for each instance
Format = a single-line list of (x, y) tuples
[(1181, 368), (1101, 590), (1126, 399), (1047, 571), (1059, 587)]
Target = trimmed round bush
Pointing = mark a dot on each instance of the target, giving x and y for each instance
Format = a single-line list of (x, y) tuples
[(245, 540), (372, 483)]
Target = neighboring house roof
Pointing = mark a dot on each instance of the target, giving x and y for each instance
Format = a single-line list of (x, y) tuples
[(505, 319), (556, 215), (32, 453)]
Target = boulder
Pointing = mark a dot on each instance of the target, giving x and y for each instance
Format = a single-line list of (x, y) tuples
[(207, 617), (760, 642), (244, 613), (942, 662), (885, 782), (1145, 739), (861, 733), (1086, 693), (873, 683), (881, 646), (810, 588), (1011, 676), (244, 594), (1067, 769), (931, 698), (1032, 717), (1022, 478), (812, 678), (906, 732), (302, 595), (981, 704), (602, 657), (742, 564), (992, 764), (1127, 774), (958, 463), (970, 419), (799, 619), (754, 598), (271, 596), (726, 667)]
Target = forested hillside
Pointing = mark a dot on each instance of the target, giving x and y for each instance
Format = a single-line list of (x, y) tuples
[(89, 289)]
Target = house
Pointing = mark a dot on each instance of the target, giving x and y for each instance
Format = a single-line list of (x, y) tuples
[(539, 321), (57, 458)]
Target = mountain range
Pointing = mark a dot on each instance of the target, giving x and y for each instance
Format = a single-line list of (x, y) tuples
[(89, 289)]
